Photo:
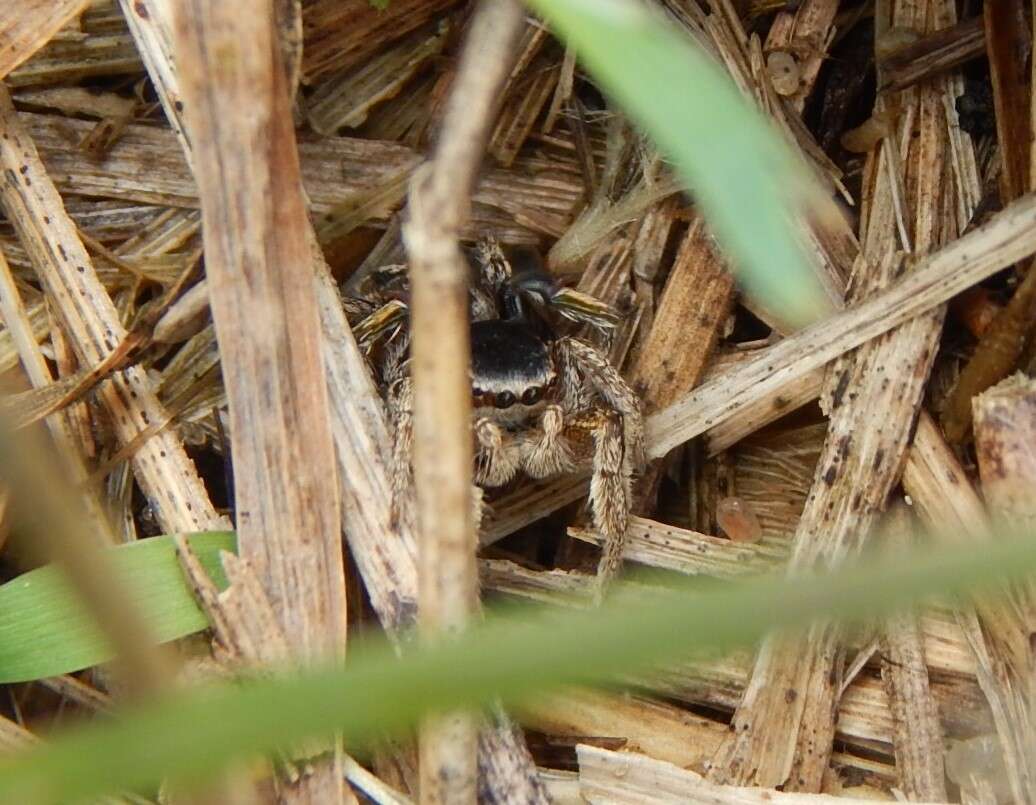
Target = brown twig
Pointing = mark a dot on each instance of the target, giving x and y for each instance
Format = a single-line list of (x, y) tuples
[(995, 357), (629, 776), (1009, 43), (440, 200), (687, 326), (933, 55)]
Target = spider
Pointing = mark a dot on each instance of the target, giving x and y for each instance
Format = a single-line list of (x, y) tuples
[(541, 400)]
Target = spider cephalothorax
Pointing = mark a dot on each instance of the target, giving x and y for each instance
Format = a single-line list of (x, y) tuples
[(539, 398), (512, 371)]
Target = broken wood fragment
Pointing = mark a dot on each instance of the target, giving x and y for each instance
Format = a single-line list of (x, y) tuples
[(1009, 45), (607, 776), (341, 34), (664, 546), (1005, 432), (918, 739), (932, 55), (655, 728), (344, 100), (687, 326), (27, 25)]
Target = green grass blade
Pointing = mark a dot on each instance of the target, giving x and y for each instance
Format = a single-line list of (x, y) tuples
[(195, 733), (44, 630), (738, 170)]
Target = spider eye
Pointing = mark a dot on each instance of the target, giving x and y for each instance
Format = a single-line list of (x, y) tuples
[(505, 399), (532, 396), (477, 392)]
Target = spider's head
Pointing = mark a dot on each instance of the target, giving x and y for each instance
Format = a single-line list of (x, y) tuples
[(535, 285), (519, 281), (512, 371)]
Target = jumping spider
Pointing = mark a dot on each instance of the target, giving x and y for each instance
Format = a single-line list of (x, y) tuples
[(542, 400)]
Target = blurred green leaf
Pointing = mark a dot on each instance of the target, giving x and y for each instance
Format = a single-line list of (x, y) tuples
[(44, 630), (738, 170), (516, 658)]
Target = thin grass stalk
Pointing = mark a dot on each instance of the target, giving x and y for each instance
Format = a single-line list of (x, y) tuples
[(440, 203)]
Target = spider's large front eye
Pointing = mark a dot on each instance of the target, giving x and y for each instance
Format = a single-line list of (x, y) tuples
[(532, 396), (505, 399)]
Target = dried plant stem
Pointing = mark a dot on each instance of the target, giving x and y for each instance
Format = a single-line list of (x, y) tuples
[(1007, 238), (267, 321), (861, 459), (27, 25), (932, 55), (17, 322), (1032, 106), (655, 728), (86, 696), (687, 326), (1005, 432), (938, 484), (1008, 46), (763, 411), (92, 324), (440, 201), (15, 736), (628, 777), (386, 556), (917, 740), (655, 544)]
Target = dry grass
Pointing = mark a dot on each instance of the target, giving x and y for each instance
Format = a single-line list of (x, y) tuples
[(116, 148)]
